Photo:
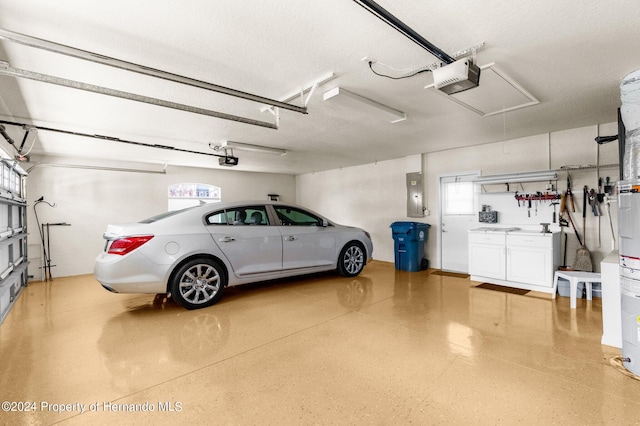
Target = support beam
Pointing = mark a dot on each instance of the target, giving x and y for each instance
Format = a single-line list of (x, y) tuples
[(107, 138), (141, 69), (6, 69)]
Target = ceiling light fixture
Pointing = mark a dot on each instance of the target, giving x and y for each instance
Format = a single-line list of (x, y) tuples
[(230, 145), (404, 29), (354, 100)]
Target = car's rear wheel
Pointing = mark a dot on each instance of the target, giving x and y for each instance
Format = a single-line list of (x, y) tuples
[(351, 260), (198, 283)]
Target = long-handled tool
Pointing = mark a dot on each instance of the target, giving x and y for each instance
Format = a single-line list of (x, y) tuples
[(570, 194), (564, 208), (613, 235), (583, 256), (564, 259), (600, 199), (593, 202), (573, 225)]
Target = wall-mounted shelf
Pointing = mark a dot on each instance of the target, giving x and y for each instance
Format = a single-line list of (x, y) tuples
[(509, 179), (538, 176), (13, 235)]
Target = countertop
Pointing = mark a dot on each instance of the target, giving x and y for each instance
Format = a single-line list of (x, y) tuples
[(511, 230)]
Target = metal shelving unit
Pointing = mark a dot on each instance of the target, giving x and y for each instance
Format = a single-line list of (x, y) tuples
[(13, 234)]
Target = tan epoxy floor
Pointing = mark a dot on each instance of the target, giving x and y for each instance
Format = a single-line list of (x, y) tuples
[(386, 348)]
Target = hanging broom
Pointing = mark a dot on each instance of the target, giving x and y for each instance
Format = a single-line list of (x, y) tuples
[(583, 256)]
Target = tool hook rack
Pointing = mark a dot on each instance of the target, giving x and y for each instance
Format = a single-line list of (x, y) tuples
[(538, 196)]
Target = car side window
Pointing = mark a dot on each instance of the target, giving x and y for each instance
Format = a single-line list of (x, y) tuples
[(292, 216), (218, 218), (246, 215)]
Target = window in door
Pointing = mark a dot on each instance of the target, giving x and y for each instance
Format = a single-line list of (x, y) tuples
[(458, 197)]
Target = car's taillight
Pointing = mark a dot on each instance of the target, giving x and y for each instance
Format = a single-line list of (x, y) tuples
[(123, 246)]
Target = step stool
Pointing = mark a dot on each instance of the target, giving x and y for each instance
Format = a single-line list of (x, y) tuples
[(575, 277)]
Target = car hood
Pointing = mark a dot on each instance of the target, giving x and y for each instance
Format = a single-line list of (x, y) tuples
[(355, 228)]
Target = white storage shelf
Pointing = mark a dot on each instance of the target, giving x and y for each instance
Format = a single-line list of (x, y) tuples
[(518, 259), (13, 236)]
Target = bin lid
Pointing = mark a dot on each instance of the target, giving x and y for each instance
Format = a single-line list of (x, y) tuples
[(402, 225)]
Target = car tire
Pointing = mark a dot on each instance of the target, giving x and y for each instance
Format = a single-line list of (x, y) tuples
[(198, 283), (351, 260)]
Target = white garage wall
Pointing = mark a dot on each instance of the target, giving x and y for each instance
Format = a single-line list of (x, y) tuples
[(575, 147), (371, 197), (374, 195), (91, 199)]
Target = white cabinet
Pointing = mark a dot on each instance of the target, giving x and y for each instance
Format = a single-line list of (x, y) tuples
[(487, 255), (530, 259), (517, 259)]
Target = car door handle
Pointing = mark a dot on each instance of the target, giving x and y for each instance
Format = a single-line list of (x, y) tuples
[(226, 239), (290, 238)]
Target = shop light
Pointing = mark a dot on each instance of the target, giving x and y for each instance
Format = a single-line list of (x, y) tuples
[(536, 176), (230, 145), (354, 100)]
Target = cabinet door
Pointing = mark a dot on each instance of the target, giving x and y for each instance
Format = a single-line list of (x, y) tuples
[(530, 265), (487, 260)]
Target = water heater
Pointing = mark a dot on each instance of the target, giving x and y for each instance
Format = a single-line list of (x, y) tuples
[(629, 243), (628, 223)]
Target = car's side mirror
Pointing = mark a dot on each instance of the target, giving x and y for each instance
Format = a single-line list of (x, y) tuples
[(325, 223)]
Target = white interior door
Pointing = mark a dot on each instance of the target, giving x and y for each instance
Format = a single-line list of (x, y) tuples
[(457, 217)]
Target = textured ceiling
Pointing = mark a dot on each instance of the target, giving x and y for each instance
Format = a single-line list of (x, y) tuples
[(570, 55)]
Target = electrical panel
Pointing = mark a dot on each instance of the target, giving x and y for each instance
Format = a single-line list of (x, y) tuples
[(414, 195)]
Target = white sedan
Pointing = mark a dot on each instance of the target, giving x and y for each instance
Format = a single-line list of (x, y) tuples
[(193, 254)]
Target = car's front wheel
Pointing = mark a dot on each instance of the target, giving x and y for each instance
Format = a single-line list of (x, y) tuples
[(198, 283), (351, 260)]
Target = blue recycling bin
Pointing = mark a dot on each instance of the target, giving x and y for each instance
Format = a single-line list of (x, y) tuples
[(409, 239)]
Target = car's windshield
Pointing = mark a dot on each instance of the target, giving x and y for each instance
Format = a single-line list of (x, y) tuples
[(166, 215)]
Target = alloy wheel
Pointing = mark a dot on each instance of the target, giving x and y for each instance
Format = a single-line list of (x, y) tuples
[(200, 283), (353, 259)]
